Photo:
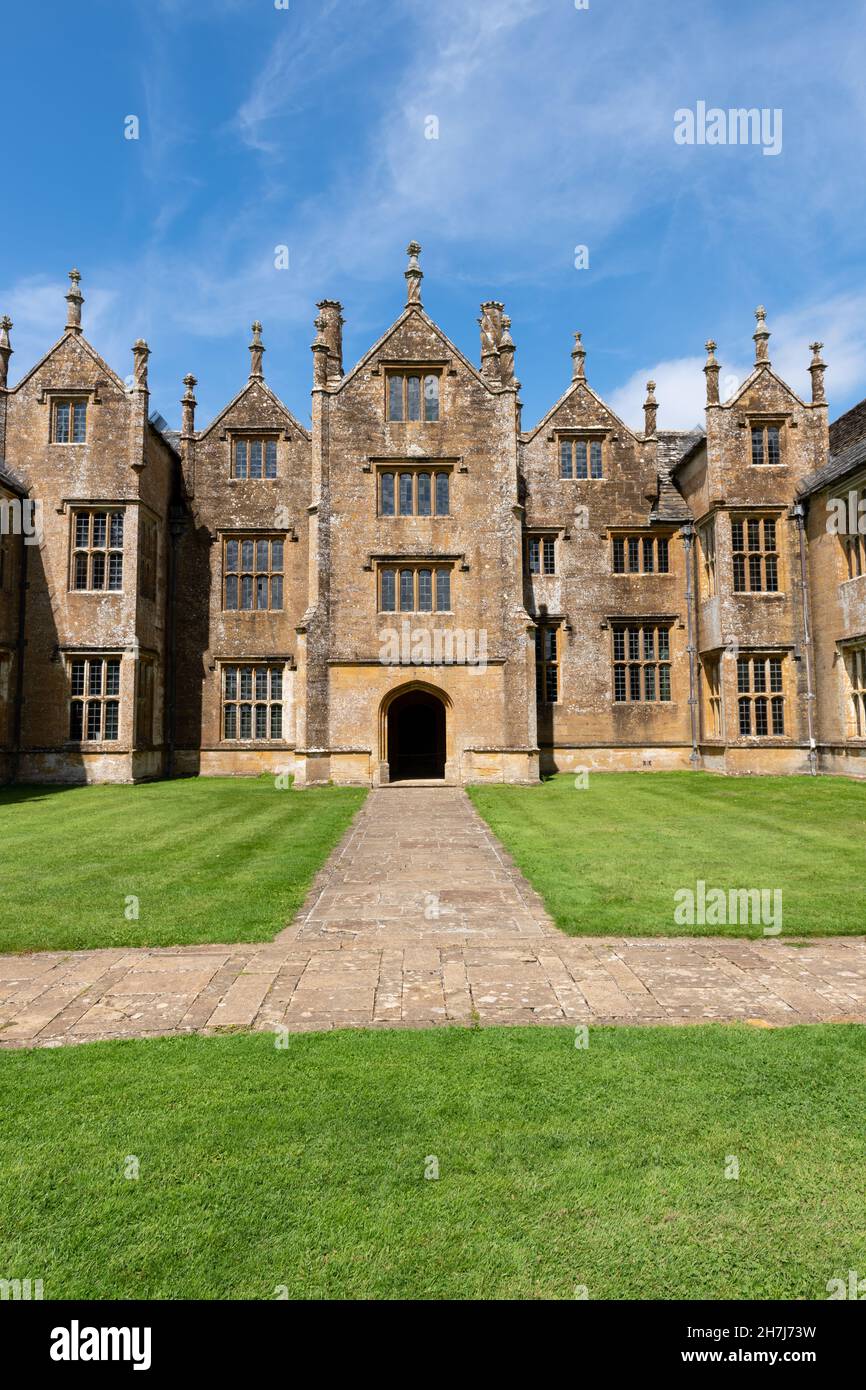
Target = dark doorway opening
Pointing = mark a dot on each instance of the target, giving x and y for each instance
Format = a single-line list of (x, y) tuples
[(416, 737)]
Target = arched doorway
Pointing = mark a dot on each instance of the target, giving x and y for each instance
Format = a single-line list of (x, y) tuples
[(416, 736)]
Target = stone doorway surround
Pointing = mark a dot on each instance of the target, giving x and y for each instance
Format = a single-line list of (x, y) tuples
[(420, 918)]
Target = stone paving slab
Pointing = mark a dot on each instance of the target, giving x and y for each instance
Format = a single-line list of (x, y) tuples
[(420, 918)]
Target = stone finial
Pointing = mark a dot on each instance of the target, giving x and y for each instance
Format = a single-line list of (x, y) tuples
[(506, 353), (414, 275), (761, 336), (490, 324), (5, 349), (650, 409), (188, 404), (331, 314), (578, 357), (817, 367), (74, 301), (140, 354), (711, 371), (256, 352)]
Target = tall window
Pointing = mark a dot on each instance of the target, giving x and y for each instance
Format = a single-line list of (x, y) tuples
[(144, 702), (5, 702), (253, 702), (254, 458), (756, 556), (855, 667), (547, 665), (707, 540), (70, 422), (413, 396), (641, 663), (414, 589), (641, 555), (253, 570), (5, 561), (854, 544), (414, 492), (761, 700), (713, 697), (94, 706), (765, 444), (541, 554), (149, 544), (97, 557), (580, 458)]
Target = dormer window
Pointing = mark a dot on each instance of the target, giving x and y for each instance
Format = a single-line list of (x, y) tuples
[(413, 397), (580, 458), (70, 422), (254, 458), (766, 445)]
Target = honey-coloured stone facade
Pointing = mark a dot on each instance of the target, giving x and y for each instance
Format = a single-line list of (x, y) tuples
[(417, 588)]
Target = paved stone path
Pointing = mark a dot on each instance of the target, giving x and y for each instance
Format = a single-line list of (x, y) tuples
[(421, 918)]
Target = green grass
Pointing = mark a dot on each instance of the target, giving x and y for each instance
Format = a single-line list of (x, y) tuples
[(209, 859), (558, 1167), (608, 859)]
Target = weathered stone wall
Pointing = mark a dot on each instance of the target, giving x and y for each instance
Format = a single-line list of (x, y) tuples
[(334, 644), (209, 636), (121, 464)]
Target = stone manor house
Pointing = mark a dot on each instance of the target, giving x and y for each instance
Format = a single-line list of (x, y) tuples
[(418, 587)]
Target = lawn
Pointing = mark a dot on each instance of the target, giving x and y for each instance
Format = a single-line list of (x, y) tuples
[(208, 859), (559, 1167), (608, 858)]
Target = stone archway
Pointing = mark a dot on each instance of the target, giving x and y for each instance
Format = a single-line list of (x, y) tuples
[(414, 734)]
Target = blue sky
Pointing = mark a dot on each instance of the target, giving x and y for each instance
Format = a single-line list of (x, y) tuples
[(305, 127)]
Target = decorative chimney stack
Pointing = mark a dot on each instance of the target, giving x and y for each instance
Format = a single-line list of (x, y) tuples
[(140, 354), (187, 432), (506, 353), (414, 275), (491, 334), (711, 371), (257, 351), (578, 357), (331, 314), (761, 336), (5, 350), (320, 354), (650, 409), (817, 367), (74, 301)]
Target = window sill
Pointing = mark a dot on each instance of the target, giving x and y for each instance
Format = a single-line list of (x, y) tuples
[(759, 593)]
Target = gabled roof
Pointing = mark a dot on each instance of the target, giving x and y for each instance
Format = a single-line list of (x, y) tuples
[(89, 349), (850, 460), (12, 484), (528, 436), (767, 370), (848, 429), (416, 310), (248, 385)]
